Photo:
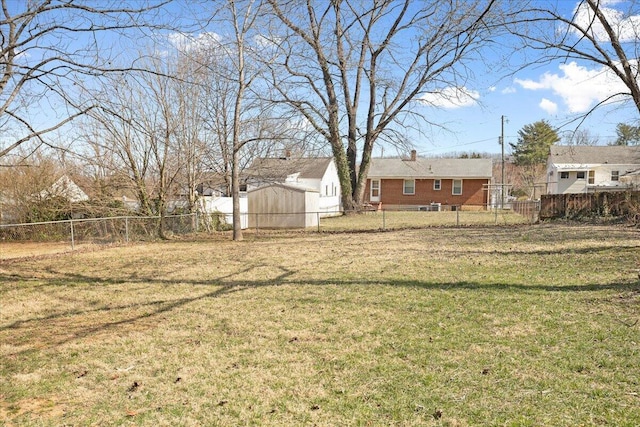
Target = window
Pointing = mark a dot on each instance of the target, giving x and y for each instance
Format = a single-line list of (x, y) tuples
[(564, 175), (580, 175), (375, 188), (326, 190), (615, 175), (457, 187), (437, 184), (409, 186), (592, 177)]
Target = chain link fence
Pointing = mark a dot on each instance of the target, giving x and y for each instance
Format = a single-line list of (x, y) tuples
[(99, 230), (73, 233)]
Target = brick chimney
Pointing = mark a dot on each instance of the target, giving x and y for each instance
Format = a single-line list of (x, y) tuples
[(414, 154)]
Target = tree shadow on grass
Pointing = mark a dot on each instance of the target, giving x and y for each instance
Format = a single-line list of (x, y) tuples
[(65, 326)]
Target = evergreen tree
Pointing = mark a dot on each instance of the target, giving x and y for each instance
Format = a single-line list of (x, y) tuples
[(534, 141), (627, 134)]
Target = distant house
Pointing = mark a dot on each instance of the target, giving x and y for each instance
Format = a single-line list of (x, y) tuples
[(429, 183), (65, 187), (317, 174), (584, 169)]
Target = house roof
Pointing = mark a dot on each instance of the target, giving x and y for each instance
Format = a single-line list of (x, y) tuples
[(273, 168), (431, 168), (610, 154), (65, 187)]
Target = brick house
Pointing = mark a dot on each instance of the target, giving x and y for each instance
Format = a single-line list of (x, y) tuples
[(429, 184)]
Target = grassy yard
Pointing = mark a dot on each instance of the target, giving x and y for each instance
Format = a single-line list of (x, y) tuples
[(519, 325), (389, 220)]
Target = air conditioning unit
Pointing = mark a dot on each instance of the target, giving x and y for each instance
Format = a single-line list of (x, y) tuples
[(436, 207), (423, 208)]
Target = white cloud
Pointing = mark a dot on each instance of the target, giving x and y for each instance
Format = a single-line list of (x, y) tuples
[(452, 97), (186, 43), (508, 90), (492, 89), (549, 106), (627, 27), (578, 86)]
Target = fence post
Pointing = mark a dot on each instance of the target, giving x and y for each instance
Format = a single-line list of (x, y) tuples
[(457, 216), (384, 220), (73, 243), (318, 214), (126, 229)]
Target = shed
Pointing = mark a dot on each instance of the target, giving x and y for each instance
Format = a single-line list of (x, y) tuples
[(283, 206)]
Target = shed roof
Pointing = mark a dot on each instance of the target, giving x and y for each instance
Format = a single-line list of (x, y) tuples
[(431, 168), (294, 188), (610, 154)]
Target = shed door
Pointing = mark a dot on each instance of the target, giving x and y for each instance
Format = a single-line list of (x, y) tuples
[(375, 190)]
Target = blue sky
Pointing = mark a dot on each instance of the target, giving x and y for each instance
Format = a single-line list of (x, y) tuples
[(560, 92)]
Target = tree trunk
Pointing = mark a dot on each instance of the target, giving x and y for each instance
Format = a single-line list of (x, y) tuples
[(235, 194)]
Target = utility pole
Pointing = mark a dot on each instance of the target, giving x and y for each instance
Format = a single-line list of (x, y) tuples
[(502, 180)]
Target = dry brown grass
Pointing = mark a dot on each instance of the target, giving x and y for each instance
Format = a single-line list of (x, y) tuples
[(484, 326)]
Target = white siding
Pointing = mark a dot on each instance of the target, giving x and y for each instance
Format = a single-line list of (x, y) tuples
[(278, 206), (224, 205), (602, 177)]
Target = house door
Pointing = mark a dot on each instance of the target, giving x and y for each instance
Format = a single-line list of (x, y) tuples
[(375, 190)]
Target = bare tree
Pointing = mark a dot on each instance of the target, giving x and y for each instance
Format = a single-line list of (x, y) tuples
[(360, 71), (239, 120), (24, 185), (139, 118), (49, 46), (581, 137), (597, 31), (190, 147), (116, 132)]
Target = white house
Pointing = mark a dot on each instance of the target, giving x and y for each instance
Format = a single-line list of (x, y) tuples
[(318, 174), (583, 169), (66, 188), (224, 206)]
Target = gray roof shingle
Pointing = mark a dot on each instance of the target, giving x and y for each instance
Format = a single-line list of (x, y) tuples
[(431, 168), (610, 154), (274, 168)]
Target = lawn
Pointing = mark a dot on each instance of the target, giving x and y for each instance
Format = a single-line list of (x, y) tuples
[(513, 325)]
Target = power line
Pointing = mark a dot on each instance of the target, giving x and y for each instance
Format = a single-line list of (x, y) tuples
[(460, 145)]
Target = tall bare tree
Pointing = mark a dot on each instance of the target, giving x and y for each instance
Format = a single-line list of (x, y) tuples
[(116, 133), (238, 119), (601, 32), (138, 122), (48, 46), (358, 71)]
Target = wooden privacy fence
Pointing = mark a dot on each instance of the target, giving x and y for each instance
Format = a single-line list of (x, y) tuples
[(610, 203)]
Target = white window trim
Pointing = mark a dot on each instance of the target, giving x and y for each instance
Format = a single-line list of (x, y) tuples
[(439, 187), (404, 187), (375, 187), (453, 187)]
